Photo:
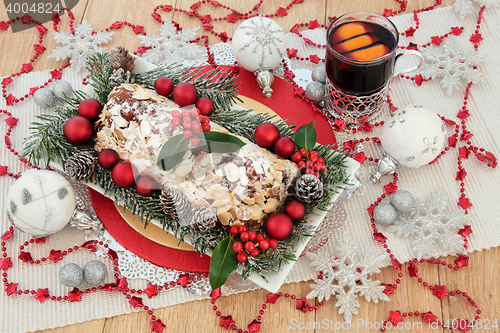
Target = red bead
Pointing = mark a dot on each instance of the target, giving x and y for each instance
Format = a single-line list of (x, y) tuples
[(90, 109), (266, 135), (205, 105), (284, 147), (146, 185), (185, 94), (123, 174), (78, 131), (295, 209), (108, 158), (279, 226), (164, 86)]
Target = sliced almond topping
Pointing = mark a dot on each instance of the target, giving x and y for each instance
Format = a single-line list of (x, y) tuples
[(259, 198), (271, 205), (249, 201)]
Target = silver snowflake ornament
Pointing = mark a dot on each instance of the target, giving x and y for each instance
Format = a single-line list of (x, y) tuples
[(346, 275), (466, 7), (434, 227), (79, 46), (450, 63), (172, 46)]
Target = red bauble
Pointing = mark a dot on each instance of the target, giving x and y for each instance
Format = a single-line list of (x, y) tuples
[(295, 209), (108, 158), (185, 94), (123, 174), (164, 86), (266, 135), (279, 226), (90, 109), (78, 131), (146, 186), (205, 105), (284, 147)]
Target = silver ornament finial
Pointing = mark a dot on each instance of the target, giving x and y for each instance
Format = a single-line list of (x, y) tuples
[(386, 166), (265, 79), (83, 221)]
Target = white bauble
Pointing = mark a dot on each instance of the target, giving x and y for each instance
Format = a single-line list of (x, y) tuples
[(259, 42), (40, 202), (413, 136)]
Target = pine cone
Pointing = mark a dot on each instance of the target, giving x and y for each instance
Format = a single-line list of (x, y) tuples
[(120, 77), (175, 204), (202, 218), (121, 58), (308, 188), (80, 166)]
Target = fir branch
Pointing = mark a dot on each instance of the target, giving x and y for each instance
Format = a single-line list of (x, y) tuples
[(47, 140), (208, 240), (100, 69)]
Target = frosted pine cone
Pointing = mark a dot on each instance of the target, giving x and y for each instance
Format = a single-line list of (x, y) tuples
[(121, 58), (80, 166), (203, 218), (175, 203), (308, 188), (120, 77)]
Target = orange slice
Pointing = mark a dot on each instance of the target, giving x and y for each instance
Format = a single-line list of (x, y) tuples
[(370, 53), (355, 43), (349, 30)]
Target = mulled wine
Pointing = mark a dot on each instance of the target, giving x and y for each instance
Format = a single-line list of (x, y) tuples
[(360, 56)]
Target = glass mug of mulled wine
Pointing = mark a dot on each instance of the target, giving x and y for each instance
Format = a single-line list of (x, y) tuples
[(360, 64)]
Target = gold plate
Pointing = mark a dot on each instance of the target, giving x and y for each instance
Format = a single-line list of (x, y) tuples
[(157, 234)]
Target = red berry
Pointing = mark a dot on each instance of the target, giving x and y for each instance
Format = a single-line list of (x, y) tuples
[(264, 245), (187, 133), (309, 171), (267, 239), (233, 230), (185, 114), (205, 127), (259, 237), (164, 86), (252, 235), (266, 135), (186, 123), (321, 160), (301, 165), (176, 113), (249, 246), (242, 257), (242, 228), (195, 140), (196, 128), (237, 247), (273, 243), (296, 157), (313, 155), (303, 152), (175, 122), (284, 147), (317, 166), (255, 252), (317, 174), (205, 105), (244, 236), (195, 112), (205, 119), (309, 164), (200, 118)]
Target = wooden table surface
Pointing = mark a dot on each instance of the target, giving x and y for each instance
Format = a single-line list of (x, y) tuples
[(479, 279)]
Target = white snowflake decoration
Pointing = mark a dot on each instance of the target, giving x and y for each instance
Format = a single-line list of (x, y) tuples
[(347, 276), (172, 46), (79, 46), (466, 7), (434, 226), (452, 64)]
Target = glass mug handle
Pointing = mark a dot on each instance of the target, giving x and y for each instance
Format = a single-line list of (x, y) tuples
[(411, 69)]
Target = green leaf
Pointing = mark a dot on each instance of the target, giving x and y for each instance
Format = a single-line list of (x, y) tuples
[(172, 152), (223, 263), (217, 142), (305, 137)]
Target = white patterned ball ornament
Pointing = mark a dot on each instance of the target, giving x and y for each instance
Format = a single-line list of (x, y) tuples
[(259, 42), (40, 203), (413, 136)]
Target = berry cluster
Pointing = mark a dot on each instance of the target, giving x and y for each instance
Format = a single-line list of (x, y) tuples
[(192, 122), (248, 237), (314, 164)]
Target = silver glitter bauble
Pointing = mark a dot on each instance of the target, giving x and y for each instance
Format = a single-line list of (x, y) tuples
[(319, 74), (71, 275), (44, 97), (384, 214), (403, 201), (95, 272), (315, 91), (62, 89)]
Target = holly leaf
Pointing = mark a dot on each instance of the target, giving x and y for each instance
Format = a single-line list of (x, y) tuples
[(217, 142), (172, 152), (305, 137), (223, 263)]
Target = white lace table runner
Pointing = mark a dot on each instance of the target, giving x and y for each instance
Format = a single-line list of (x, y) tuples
[(21, 313)]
